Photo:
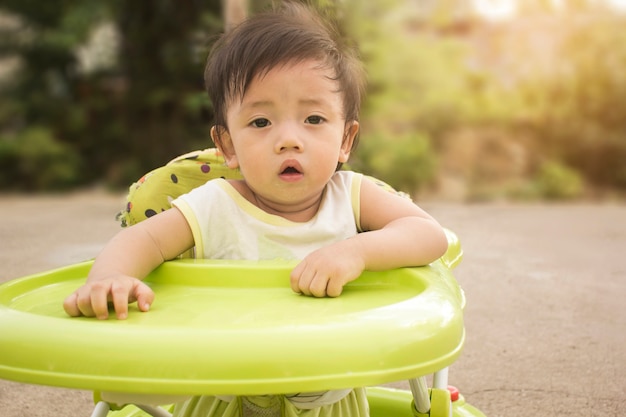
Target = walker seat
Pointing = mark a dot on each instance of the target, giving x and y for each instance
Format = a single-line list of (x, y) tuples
[(236, 328)]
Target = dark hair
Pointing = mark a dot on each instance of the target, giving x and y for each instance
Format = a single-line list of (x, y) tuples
[(292, 33)]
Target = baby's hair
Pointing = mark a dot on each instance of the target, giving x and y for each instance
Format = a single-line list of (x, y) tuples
[(290, 34)]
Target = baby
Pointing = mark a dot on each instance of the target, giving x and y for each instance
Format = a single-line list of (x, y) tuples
[(286, 93)]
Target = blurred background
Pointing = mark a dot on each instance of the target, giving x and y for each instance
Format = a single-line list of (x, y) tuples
[(468, 100)]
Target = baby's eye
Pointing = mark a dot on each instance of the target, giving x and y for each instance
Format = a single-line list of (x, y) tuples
[(260, 122), (314, 120)]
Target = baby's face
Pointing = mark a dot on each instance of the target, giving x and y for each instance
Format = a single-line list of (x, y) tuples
[(288, 134)]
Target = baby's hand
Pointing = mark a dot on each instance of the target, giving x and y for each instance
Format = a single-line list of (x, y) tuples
[(326, 271), (92, 299)]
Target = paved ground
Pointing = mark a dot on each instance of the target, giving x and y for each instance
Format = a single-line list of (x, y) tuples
[(545, 284)]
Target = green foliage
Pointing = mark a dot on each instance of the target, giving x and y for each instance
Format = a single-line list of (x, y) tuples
[(430, 74), (415, 81), (560, 86), (407, 163), (556, 181), (576, 112), (418, 89), (123, 118), (35, 160)]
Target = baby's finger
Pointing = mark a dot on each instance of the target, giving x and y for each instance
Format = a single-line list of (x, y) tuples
[(334, 288), (318, 285), (100, 300), (83, 302), (144, 296), (302, 282), (70, 305), (120, 294), (294, 278)]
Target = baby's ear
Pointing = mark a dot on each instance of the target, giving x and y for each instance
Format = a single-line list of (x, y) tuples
[(349, 136), (224, 143)]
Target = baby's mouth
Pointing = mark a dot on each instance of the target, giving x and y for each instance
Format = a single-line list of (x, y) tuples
[(291, 171)]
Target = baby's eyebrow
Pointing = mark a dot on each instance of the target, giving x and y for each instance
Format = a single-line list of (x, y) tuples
[(269, 103), (256, 104), (313, 102)]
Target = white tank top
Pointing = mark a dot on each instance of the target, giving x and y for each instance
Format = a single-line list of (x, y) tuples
[(227, 226)]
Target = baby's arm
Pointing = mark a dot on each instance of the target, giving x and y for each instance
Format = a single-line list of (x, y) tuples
[(128, 258), (398, 233)]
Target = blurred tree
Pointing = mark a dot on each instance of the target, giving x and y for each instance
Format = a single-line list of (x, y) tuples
[(110, 90), (577, 112), (38, 103), (419, 89), (161, 60), (555, 181), (122, 119), (234, 12)]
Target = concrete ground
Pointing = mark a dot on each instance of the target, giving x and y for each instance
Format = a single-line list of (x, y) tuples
[(546, 318)]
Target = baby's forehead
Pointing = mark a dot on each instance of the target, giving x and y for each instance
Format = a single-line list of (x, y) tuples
[(240, 84)]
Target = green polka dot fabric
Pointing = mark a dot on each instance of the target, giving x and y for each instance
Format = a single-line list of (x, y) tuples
[(155, 191)]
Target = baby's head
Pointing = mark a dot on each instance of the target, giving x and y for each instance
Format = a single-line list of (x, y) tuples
[(292, 34)]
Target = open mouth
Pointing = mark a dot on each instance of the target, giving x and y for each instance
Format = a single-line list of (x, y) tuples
[(290, 170)]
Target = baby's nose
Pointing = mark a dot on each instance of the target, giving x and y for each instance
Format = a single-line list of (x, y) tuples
[(288, 138)]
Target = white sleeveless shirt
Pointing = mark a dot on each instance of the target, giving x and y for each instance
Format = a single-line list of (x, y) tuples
[(227, 226)]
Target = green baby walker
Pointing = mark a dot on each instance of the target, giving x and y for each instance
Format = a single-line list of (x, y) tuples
[(254, 337)]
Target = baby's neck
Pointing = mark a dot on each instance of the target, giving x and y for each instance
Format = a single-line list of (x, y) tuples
[(300, 213)]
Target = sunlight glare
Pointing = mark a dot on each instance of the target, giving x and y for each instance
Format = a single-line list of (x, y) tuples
[(617, 4), (496, 9)]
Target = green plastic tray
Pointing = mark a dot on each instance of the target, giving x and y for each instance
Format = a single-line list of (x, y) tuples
[(220, 327)]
